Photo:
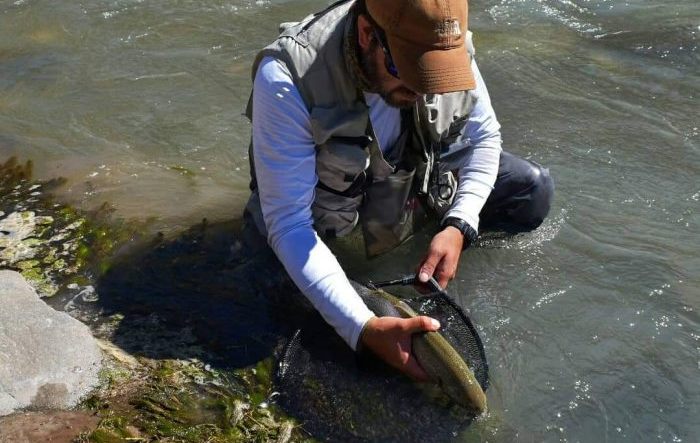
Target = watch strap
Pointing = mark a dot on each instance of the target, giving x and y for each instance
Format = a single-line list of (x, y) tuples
[(470, 235)]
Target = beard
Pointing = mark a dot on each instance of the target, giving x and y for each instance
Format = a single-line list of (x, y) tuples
[(374, 71)]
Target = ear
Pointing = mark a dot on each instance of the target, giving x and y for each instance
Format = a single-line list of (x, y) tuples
[(365, 33)]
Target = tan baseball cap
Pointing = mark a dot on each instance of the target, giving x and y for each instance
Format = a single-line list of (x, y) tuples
[(427, 42)]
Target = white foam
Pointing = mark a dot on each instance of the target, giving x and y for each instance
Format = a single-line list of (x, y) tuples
[(546, 232)]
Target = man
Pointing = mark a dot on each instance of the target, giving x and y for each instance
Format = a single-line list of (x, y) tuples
[(364, 115)]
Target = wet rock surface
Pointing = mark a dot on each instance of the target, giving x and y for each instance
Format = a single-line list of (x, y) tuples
[(47, 358), (50, 426)]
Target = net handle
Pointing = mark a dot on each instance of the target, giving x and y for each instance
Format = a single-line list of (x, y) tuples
[(405, 281)]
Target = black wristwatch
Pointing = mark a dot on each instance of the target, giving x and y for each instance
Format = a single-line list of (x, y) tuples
[(467, 231)]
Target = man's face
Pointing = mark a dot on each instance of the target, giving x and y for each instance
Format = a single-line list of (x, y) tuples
[(390, 88)]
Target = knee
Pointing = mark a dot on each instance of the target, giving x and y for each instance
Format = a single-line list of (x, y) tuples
[(541, 196), (522, 195)]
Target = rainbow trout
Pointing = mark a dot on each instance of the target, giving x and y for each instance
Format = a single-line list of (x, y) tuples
[(434, 353)]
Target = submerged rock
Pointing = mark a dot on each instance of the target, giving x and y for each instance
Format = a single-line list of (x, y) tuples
[(53, 245), (47, 358)]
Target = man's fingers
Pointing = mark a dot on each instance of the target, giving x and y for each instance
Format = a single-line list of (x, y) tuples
[(390, 338), (428, 267), (446, 270), (414, 370), (420, 324), (444, 276), (443, 257), (441, 275)]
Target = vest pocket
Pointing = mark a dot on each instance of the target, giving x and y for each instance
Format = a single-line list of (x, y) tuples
[(391, 213), (342, 168), (441, 193), (334, 216)]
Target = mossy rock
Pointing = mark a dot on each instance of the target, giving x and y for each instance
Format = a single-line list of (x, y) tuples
[(185, 401), (53, 244)]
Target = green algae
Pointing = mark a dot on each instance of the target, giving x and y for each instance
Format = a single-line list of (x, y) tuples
[(113, 377), (186, 401), (58, 247), (111, 429), (182, 170), (13, 172), (52, 244)]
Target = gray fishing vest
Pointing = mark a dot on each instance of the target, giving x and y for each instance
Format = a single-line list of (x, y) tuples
[(355, 180)]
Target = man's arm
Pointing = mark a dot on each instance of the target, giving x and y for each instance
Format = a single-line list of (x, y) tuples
[(477, 175), (480, 167), (285, 166)]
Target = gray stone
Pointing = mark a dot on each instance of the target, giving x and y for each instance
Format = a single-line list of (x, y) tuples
[(47, 358)]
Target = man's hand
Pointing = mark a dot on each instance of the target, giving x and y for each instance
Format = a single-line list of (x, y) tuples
[(442, 257), (389, 338)]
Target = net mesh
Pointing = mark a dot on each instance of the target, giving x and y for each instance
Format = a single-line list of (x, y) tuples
[(339, 395), (457, 329)]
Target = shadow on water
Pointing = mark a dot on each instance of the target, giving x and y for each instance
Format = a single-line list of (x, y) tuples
[(193, 296), (203, 295)]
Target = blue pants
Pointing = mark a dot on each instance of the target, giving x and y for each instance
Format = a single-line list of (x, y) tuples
[(521, 197)]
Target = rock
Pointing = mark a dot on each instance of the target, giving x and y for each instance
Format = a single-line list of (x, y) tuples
[(118, 354), (47, 358)]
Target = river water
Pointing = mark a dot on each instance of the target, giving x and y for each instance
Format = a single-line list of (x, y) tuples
[(591, 323)]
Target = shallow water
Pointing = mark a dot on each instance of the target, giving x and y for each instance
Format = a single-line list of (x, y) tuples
[(591, 323)]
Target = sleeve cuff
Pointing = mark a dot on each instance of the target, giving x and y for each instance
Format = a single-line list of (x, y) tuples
[(473, 221), (356, 333)]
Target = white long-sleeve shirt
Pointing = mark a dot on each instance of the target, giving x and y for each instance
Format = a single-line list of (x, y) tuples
[(285, 167)]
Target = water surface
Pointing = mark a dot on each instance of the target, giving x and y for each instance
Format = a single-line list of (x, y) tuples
[(591, 323)]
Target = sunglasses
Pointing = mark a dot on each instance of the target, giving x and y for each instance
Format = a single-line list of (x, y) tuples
[(388, 61)]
